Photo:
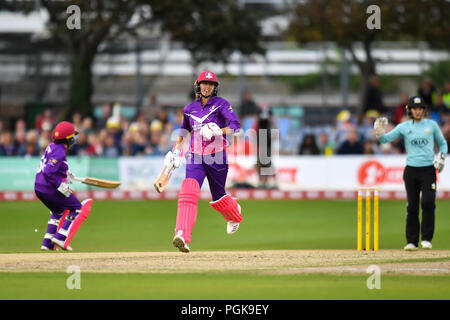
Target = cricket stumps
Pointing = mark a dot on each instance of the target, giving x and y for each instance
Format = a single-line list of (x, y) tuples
[(367, 228)]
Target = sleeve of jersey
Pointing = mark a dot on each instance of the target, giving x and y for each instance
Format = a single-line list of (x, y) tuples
[(439, 137), (390, 136), (185, 126), (231, 120), (51, 168)]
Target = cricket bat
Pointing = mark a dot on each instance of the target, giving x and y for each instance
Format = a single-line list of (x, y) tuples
[(163, 178), (102, 183)]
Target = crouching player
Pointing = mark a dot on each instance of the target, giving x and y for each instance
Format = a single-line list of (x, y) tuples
[(208, 118), (52, 188)]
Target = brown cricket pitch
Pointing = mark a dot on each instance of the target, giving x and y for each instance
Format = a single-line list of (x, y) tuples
[(421, 262)]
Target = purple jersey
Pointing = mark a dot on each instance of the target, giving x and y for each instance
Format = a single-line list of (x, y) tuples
[(52, 169), (217, 110)]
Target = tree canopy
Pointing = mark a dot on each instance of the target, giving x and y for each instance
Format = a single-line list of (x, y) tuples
[(210, 30), (345, 23)]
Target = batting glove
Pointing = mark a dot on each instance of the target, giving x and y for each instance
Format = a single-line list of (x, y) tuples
[(65, 189), (176, 158), (380, 125), (172, 159), (439, 163), (209, 130), (70, 177)]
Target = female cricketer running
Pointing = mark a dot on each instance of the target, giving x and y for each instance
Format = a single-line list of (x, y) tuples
[(420, 173), (52, 188), (208, 119)]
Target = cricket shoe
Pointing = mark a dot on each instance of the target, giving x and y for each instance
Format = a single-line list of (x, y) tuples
[(47, 244), (45, 248), (60, 244), (178, 242), (410, 247), (232, 226), (426, 244)]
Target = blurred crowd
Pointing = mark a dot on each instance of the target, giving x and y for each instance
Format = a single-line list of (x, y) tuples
[(353, 134), (112, 135)]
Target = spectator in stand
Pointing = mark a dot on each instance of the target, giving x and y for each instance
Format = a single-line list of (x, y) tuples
[(106, 114), (76, 121), (344, 124), (87, 125), (426, 92), (21, 126), (113, 129), (156, 129), (309, 146), (165, 145), (102, 134), (162, 116), (111, 150), (326, 146), (95, 147), (127, 144), (400, 109), (20, 144), (368, 148), (138, 145), (150, 106), (45, 121), (32, 146), (373, 97), (79, 148), (7, 145), (248, 106), (178, 118), (352, 145), (44, 138)]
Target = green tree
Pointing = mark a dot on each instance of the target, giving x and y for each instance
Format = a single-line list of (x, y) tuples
[(211, 30), (344, 22), (100, 21)]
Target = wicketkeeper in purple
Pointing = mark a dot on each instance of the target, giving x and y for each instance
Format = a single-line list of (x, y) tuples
[(208, 119), (52, 188)]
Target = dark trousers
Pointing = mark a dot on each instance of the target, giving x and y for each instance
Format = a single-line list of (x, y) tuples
[(420, 180)]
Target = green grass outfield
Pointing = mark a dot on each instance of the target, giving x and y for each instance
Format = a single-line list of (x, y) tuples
[(228, 286), (134, 226)]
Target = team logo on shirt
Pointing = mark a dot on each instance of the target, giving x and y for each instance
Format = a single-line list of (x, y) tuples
[(419, 142), (427, 130), (200, 120), (54, 161)]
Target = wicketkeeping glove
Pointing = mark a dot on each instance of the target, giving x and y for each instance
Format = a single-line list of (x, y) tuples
[(439, 162), (380, 125), (209, 130), (65, 189)]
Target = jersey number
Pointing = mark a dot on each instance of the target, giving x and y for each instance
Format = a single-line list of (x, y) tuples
[(42, 164)]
